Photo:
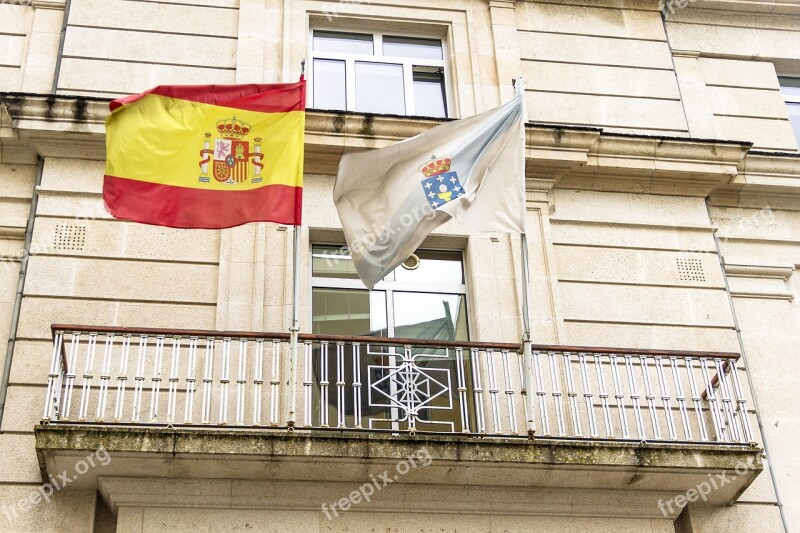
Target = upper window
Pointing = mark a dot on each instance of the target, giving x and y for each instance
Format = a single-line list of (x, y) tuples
[(378, 73), (790, 87)]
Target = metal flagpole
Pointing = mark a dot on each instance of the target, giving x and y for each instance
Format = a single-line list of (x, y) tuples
[(527, 352), (294, 329)]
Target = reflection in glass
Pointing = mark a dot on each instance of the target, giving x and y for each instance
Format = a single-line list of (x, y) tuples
[(329, 84), (429, 97), (412, 47), (348, 312), (794, 118), (430, 316), (379, 88), (332, 262), (790, 86), (351, 43)]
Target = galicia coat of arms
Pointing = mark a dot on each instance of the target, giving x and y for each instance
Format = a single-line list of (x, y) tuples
[(231, 155), (441, 185)]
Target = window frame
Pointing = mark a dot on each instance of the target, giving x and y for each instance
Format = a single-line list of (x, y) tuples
[(791, 101), (407, 63), (391, 286)]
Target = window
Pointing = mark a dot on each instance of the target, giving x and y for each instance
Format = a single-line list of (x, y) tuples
[(425, 302), (790, 87), (377, 73), (428, 302)]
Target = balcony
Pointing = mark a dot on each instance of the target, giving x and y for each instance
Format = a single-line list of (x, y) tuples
[(174, 402)]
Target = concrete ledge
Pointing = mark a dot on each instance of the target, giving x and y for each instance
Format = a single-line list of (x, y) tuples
[(557, 155), (326, 456)]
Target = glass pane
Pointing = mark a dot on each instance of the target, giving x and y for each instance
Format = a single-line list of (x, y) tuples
[(429, 99), (794, 117), (412, 47), (790, 87), (430, 316), (332, 262), (351, 43), (348, 312), (434, 267), (329, 84), (379, 88)]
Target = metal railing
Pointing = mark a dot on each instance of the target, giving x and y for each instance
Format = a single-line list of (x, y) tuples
[(132, 376)]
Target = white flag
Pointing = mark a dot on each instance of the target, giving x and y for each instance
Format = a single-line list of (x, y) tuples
[(391, 198)]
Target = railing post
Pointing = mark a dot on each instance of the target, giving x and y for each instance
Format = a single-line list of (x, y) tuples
[(527, 384), (87, 377), (357, 385), (308, 393), (69, 374), (742, 404), (294, 330), (53, 395), (477, 389)]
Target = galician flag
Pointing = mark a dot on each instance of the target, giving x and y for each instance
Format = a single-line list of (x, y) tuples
[(212, 156), (391, 198)]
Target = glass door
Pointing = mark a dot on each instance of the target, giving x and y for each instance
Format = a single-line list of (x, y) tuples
[(424, 299)]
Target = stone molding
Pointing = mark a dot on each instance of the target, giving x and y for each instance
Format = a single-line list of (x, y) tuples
[(14, 233), (763, 178), (557, 156), (48, 4), (781, 272), (750, 7)]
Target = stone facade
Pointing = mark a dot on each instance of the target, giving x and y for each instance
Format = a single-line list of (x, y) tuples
[(653, 142)]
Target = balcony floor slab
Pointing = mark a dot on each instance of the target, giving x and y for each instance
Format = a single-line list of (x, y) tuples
[(279, 455)]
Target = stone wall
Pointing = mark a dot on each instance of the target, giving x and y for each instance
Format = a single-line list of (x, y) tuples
[(612, 264)]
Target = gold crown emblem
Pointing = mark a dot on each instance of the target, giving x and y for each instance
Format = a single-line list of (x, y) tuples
[(436, 166), (230, 127)]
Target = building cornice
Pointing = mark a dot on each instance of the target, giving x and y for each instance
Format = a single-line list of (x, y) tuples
[(749, 7), (763, 178), (557, 156)]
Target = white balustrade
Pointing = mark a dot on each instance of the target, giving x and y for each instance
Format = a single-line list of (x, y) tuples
[(392, 385)]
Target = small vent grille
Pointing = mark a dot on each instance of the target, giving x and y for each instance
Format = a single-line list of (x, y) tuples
[(691, 270), (69, 237)]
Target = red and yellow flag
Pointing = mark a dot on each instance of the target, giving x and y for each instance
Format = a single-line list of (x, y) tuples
[(213, 156)]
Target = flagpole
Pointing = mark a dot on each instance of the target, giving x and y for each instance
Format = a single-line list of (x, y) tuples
[(527, 352), (294, 329)]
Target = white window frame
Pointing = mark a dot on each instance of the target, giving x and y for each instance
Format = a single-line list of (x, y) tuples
[(790, 100), (377, 47)]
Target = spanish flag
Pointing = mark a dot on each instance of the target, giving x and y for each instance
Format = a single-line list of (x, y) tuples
[(213, 156)]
